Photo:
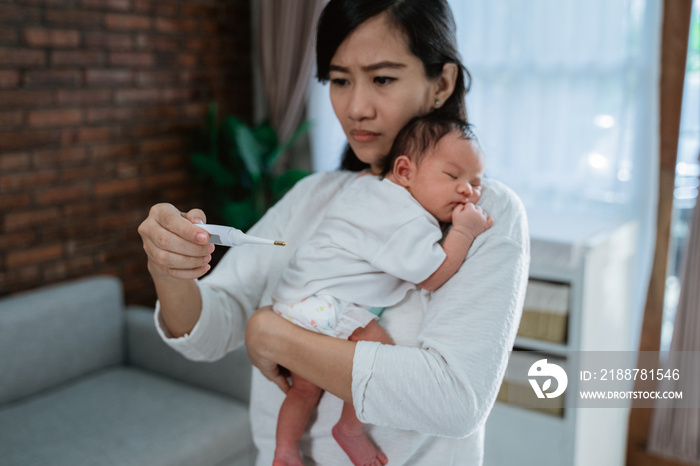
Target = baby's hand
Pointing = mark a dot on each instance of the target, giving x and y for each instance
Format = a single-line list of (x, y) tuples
[(470, 219)]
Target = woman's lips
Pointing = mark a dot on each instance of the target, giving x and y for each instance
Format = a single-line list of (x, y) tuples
[(364, 136)]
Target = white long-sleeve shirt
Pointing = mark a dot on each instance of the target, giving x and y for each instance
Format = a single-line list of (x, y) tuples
[(425, 399)]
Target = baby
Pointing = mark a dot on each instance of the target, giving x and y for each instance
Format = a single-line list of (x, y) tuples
[(379, 238)]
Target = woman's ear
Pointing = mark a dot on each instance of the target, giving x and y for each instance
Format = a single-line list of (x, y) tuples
[(403, 170), (445, 84)]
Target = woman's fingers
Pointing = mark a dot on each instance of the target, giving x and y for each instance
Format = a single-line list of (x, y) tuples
[(173, 244), (256, 344)]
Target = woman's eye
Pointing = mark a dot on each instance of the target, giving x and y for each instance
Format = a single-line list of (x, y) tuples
[(339, 81), (383, 80)]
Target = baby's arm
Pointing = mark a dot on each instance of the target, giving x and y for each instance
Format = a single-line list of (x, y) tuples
[(468, 221)]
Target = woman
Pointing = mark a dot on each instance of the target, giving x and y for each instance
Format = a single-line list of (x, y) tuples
[(426, 399)]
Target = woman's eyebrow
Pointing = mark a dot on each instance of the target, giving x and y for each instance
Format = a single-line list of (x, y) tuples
[(372, 67)]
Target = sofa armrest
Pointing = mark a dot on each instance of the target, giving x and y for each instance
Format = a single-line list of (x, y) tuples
[(145, 349)]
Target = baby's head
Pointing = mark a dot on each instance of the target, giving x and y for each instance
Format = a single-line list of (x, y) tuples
[(439, 162)]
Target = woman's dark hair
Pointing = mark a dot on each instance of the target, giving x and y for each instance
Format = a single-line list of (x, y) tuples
[(421, 134), (431, 34)]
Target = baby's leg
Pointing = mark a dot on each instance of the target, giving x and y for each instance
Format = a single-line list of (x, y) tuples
[(302, 398), (349, 432)]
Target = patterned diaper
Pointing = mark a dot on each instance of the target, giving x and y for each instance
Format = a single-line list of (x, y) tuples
[(326, 314)]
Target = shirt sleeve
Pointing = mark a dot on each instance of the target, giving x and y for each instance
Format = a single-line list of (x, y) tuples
[(412, 252), (233, 289), (447, 385)]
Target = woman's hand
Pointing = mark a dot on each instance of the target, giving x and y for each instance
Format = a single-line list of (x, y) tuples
[(261, 326), (175, 247)]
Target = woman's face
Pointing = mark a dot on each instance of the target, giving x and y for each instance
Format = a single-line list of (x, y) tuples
[(377, 86)]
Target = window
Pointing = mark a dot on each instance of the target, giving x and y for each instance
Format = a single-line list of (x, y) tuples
[(687, 173)]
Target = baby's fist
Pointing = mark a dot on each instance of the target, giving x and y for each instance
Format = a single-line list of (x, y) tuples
[(470, 219)]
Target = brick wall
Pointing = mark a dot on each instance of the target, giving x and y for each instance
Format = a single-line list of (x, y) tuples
[(99, 100)]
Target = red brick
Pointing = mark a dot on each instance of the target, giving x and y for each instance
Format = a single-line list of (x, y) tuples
[(15, 140), (11, 119), (8, 35), (25, 99), (13, 161), (66, 268), (127, 169), (26, 180), (109, 77), (160, 146), (77, 58), (195, 110), (113, 151), (176, 95), (159, 43), (16, 240), (115, 187), (78, 173), (131, 59), (176, 26), (19, 279), (53, 157), (59, 38), (108, 40), (18, 14), (123, 5), (34, 256), (97, 115), (60, 194), (160, 112), (166, 179), (157, 78), (52, 78), (127, 22), (187, 60), (85, 134), (190, 9), (122, 96), (60, 117), (15, 221), (82, 97), (8, 79), (161, 8), (22, 57), (78, 18)]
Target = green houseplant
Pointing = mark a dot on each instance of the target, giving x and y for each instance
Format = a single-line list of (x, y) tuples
[(238, 166)]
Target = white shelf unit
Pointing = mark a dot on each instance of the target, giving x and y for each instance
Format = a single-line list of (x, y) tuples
[(595, 258)]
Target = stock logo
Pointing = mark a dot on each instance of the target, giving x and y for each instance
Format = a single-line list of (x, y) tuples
[(552, 371)]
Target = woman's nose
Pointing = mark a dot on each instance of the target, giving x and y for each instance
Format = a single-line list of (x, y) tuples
[(360, 106)]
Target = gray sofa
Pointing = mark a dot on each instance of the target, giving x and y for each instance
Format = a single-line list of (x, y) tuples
[(86, 381)]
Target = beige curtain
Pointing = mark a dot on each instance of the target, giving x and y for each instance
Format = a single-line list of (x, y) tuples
[(287, 41), (676, 432)]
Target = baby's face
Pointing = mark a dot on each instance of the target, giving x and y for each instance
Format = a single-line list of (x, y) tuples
[(449, 174)]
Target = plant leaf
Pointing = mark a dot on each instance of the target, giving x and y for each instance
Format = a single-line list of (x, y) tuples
[(206, 167), (266, 136), (248, 148), (283, 147), (241, 214)]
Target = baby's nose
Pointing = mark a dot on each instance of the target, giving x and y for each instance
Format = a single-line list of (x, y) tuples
[(465, 189)]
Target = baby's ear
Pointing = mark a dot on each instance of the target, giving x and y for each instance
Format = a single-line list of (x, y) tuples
[(403, 170)]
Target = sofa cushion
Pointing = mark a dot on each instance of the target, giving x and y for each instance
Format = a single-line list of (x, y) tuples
[(124, 416), (55, 334), (145, 349)]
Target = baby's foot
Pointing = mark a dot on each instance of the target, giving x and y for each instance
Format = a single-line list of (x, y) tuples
[(287, 457), (358, 447)]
